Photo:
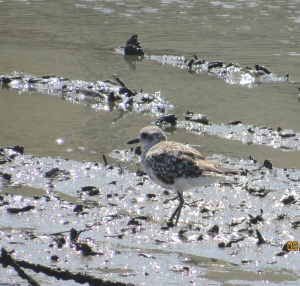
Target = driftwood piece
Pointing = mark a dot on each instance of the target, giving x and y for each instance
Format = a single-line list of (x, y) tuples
[(124, 89), (58, 273), (6, 260)]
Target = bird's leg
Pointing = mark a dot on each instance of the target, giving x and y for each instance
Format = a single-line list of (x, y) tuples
[(178, 209), (181, 202)]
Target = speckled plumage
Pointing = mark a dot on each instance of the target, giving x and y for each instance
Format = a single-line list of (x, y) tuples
[(176, 166)]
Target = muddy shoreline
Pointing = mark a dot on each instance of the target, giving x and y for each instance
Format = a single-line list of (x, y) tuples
[(95, 212), (92, 222)]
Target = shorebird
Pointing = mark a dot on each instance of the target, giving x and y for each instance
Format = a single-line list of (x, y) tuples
[(176, 166)]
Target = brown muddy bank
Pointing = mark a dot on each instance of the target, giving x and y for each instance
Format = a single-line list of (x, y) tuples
[(110, 224)]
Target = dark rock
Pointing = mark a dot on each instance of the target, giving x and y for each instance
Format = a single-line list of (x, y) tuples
[(247, 261), (199, 118), (171, 118), (88, 188), (216, 64), (286, 134), (282, 253), (6, 176), (19, 149), (84, 248), (5, 80), (54, 258), (20, 210), (296, 224), (94, 192), (133, 222), (268, 164), (73, 234), (200, 237), (60, 241), (236, 122), (147, 98), (288, 200), (262, 68), (151, 196), (214, 230), (132, 47), (78, 208), (221, 244), (52, 173), (142, 217), (131, 50)]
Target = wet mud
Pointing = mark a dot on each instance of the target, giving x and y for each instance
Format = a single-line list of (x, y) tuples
[(101, 95), (94, 223), (233, 130), (98, 221), (109, 95), (286, 139)]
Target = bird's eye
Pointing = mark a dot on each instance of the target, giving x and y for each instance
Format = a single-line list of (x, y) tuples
[(143, 135)]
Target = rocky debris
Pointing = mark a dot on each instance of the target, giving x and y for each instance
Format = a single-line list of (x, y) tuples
[(224, 216), (232, 73), (260, 238), (268, 164), (166, 119), (7, 154), (245, 133), (60, 274), (132, 47), (20, 210), (100, 95), (199, 123), (199, 118)]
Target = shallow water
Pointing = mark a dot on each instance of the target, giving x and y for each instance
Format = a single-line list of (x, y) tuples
[(78, 41)]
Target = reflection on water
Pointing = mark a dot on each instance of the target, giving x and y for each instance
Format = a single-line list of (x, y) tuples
[(78, 41)]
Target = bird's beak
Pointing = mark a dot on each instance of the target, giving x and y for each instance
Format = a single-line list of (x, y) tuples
[(137, 140)]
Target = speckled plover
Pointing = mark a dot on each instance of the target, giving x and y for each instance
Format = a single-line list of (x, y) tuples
[(176, 166)]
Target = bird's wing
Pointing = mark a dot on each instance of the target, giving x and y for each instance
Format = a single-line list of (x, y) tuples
[(190, 154), (172, 160)]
